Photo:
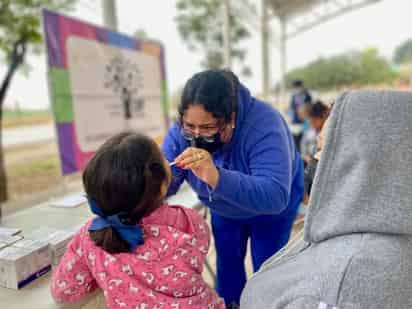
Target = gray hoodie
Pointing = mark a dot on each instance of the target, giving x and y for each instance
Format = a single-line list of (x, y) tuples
[(357, 247)]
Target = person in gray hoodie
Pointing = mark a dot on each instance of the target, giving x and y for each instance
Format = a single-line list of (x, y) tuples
[(357, 246)]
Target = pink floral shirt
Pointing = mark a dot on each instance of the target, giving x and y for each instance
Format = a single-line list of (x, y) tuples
[(163, 273)]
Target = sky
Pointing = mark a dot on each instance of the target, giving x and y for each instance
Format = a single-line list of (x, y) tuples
[(383, 25)]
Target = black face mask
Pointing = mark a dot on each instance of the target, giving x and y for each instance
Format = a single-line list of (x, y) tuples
[(309, 175), (209, 143)]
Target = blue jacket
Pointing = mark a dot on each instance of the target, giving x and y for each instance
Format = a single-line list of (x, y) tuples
[(261, 172)]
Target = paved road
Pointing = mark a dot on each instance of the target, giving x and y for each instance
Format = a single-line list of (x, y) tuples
[(28, 135)]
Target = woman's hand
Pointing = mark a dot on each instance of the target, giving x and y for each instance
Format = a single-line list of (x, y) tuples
[(200, 162)]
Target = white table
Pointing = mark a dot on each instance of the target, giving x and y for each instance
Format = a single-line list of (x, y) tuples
[(37, 294)]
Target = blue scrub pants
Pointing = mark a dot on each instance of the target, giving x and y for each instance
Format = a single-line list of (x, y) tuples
[(267, 233)]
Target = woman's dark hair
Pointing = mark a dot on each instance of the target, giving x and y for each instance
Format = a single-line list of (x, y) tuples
[(319, 110), (124, 176), (215, 90)]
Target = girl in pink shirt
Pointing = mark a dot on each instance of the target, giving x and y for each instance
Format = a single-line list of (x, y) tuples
[(143, 253)]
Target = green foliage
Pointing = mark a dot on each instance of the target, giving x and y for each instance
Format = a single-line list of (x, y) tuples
[(374, 68), (20, 32), (21, 20), (141, 34), (199, 23), (403, 53), (348, 69)]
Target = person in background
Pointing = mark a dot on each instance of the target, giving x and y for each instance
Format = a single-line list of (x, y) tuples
[(300, 97), (140, 251), (311, 167), (316, 115), (238, 155), (357, 245), (308, 140)]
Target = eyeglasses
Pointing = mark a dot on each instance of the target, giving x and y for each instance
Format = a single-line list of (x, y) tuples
[(204, 130)]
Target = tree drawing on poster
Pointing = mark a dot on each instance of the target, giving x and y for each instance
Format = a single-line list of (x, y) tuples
[(126, 80)]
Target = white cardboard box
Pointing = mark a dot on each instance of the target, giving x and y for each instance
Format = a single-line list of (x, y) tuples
[(9, 240), (57, 239), (58, 244), (23, 262), (5, 231)]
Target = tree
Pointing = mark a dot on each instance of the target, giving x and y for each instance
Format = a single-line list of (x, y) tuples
[(348, 69), (200, 22), (375, 68), (141, 34), (403, 53), (20, 32)]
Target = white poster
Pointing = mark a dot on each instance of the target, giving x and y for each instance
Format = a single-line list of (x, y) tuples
[(114, 89)]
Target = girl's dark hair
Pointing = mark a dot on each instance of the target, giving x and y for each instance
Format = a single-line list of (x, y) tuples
[(215, 90), (319, 110), (125, 175)]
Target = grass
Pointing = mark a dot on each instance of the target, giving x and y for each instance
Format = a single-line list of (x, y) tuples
[(49, 164), (13, 118), (31, 176)]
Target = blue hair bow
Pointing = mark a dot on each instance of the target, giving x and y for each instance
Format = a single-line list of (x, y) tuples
[(132, 234)]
